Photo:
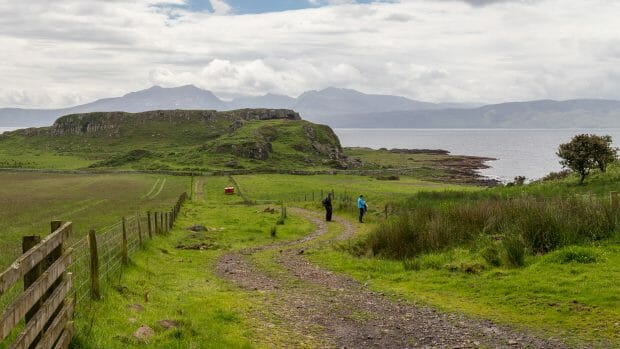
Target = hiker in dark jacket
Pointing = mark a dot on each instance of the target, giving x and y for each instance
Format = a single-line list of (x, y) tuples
[(327, 203)]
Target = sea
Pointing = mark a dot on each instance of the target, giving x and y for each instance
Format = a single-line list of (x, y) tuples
[(519, 152), (6, 129)]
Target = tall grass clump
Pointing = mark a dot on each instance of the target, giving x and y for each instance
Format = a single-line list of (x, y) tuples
[(514, 250), (522, 224)]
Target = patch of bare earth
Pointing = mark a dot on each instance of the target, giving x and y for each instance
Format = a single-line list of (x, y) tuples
[(313, 303)]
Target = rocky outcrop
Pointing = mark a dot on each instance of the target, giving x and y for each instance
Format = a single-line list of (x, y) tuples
[(258, 150), (112, 123)]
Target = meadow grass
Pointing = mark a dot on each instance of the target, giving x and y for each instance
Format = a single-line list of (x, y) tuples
[(30, 201), (181, 284), (519, 224), (571, 300), (296, 188), (542, 257)]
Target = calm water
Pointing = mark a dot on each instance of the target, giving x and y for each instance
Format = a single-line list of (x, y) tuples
[(529, 153), (4, 129)]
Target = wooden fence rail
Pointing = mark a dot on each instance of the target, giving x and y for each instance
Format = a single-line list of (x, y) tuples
[(44, 304), (44, 312)]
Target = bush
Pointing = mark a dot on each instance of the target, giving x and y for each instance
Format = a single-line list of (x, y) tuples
[(514, 250), (434, 261), (387, 178), (491, 255), (540, 225), (412, 264), (552, 176), (575, 254)]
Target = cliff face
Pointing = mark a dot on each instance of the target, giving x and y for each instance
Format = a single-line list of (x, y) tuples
[(111, 123)]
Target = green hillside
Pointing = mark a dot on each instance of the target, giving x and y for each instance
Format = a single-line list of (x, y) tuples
[(204, 141), (175, 140)]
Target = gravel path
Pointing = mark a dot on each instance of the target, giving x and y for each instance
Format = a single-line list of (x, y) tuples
[(316, 303)]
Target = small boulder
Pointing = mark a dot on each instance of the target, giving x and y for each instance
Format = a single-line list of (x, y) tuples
[(168, 324), (138, 308), (144, 333), (197, 228)]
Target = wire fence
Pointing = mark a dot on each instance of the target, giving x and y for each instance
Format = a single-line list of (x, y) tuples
[(113, 246)]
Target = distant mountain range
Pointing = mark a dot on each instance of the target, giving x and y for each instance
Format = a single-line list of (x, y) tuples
[(350, 108)]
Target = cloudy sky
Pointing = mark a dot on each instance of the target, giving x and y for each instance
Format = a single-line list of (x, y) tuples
[(67, 52)]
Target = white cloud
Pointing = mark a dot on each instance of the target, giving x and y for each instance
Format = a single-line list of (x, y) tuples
[(220, 7), (68, 51)]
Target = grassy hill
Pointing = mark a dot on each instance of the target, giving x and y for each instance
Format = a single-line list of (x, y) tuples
[(203, 141), (175, 140)]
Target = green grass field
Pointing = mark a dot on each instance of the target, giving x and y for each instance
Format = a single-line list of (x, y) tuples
[(293, 188), (571, 299), (571, 292), (182, 286), (30, 201)]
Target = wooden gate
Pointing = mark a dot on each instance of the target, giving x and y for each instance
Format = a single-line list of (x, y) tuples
[(43, 305)]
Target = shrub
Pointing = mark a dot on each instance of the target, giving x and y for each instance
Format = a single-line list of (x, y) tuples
[(387, 178), (412, 264), (514, 250), (540, 226), (491, 255), (575, 254), (433, 261), (552, 176)]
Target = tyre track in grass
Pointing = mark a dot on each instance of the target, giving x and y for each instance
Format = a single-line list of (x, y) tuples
[(161, 188), (152, 189), (335, 311)]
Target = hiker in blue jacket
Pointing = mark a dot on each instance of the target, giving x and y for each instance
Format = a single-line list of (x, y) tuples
[(361, 204)]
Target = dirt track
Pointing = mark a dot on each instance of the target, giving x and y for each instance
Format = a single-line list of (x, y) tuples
[(316, 305)]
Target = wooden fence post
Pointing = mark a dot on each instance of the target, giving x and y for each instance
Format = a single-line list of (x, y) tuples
[(191, 195), (156, 220), (124, 255), (139, 229), (162, 227), (148, 223), (53, 256), (29, 242), (95, 292)]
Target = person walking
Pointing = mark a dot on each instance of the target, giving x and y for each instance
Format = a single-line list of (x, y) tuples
[(361, 204), (327, 203)]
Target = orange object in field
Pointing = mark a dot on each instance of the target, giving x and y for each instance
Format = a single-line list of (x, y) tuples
[(229, 190)]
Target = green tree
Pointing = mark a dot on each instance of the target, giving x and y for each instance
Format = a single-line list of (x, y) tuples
[(604, 153), (586, 152)]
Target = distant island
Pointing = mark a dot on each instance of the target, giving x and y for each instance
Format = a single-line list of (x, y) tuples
[(346, 108)]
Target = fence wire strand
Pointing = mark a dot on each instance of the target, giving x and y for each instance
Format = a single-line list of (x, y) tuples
[(110, 251)]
